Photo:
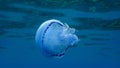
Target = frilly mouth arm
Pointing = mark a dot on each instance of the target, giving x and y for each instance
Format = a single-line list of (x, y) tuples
[(68, 30)]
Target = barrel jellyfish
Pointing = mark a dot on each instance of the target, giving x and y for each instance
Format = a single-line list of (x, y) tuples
[(55, 38)]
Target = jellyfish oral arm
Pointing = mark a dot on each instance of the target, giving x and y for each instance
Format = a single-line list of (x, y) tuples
[(68, 36), (69, 39)]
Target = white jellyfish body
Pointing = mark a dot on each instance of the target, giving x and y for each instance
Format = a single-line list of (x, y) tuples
[(54, 38)]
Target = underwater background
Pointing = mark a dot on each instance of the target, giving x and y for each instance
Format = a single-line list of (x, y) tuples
[(97, 24)]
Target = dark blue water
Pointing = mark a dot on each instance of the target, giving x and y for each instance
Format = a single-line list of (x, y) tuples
[(97, 23)]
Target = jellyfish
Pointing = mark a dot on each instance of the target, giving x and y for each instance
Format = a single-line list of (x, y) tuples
[(55, 38)]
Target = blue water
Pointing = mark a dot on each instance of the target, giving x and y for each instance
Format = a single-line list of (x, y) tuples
[(97, 23)]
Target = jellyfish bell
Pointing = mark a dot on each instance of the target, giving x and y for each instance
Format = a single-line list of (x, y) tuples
[(55, 38)]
